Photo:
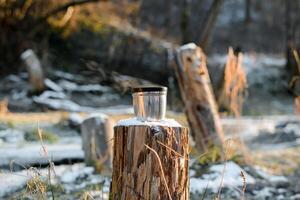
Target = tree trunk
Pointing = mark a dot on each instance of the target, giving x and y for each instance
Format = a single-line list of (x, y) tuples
[(248, 11), (97, 135), (150, 162), (197, 95), (293, 45), (184, 22), (292, 34), (209, 23)]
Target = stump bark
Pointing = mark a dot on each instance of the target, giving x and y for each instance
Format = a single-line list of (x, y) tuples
[(198, 97), (97, 135), (150, 162)]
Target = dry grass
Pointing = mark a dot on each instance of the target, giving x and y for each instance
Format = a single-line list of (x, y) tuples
[(38, 183), (226, 150), (278, 162), (244, 185), (29, 118), (3, 106), (234, 83)]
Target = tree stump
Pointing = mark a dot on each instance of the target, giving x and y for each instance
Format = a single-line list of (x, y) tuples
[(97, 135), (34, 69), (233, 86), (198, 97), (150, 161)]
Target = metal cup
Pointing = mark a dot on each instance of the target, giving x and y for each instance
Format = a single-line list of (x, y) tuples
[(149, 103)]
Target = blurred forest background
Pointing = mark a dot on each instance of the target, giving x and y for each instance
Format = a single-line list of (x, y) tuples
[(62, 61), (134, 37)]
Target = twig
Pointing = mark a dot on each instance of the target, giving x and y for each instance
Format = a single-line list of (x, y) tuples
[(297, 58), (51, 164), (205, 191), (161, 168), (244, 185), (175, 152), (65, 7)]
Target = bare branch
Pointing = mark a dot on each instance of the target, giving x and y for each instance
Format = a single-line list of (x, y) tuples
[(65, 7)]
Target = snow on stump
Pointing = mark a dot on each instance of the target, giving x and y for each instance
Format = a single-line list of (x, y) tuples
[(150, 152), (97, 135)]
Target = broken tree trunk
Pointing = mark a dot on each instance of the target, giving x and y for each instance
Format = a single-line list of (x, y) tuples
[(97, 135), (233, 85), (198, 98), (34, 69), (150, 161)]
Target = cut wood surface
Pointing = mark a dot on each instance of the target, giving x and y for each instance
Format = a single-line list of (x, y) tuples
[(198, 98), (150, 162)]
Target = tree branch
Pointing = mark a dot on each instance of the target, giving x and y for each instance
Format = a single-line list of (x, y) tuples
[(65, 7)]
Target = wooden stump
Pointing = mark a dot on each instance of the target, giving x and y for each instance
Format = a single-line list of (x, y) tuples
[(233, 86), (150, 162), (97, 135), (34, 69), (198, 97)]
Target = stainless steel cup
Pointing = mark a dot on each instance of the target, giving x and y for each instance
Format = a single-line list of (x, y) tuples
[(149, 103)]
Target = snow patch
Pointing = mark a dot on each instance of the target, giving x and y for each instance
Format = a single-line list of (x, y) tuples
[(52, 85), (74, 174), (232, 178), (12, 135), (136, 122), (264, 193), (12, 182), (271, 178)]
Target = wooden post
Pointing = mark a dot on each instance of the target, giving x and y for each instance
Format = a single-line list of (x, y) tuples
[(150, 161), (97, 135), (198, 97), (34, 69)]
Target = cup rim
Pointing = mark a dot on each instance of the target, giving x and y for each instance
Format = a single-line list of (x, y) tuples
[(149, 89)]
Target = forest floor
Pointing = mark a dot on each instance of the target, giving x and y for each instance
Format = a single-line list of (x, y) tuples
[(265, 141), (268, 158)]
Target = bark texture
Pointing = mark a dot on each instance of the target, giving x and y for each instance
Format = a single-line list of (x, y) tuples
[(150, 162), (198, 97)]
